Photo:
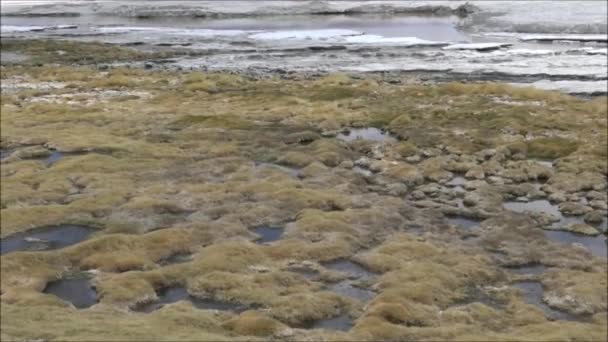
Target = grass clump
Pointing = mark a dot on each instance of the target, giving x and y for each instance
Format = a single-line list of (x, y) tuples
[(551, 148)]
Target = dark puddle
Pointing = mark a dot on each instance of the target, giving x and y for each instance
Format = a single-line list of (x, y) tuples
[(340, 323), (76, 290), (369, 133), (347, 287), (268, 234), (532, 293), (45, 238), (527, 269), (177, 258), (463, 222), (595, 244), (175, 294)]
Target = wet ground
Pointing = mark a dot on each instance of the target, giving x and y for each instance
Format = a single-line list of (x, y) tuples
[(532, 292), (399, 44)]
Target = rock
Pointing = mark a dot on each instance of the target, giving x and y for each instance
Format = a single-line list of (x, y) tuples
[(475, 173), (397, 189), (313, 169), (595, 216), (305, 137), (405, 173), (557, 197), (413, 159), (596, 195), (599, 204), (475, 184), (417, 195), (471, 200), (573, 208), (347, 164)]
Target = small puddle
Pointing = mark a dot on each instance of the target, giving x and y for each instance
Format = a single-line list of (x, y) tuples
[(463, 222), (77, 290), (370, 133), (347, 287), (175, 294), (5, 152), (45, 238), (340, 323), (595, 244), (532, 293), (268, 234)]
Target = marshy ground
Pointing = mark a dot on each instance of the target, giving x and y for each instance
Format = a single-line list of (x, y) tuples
[(332, 208)]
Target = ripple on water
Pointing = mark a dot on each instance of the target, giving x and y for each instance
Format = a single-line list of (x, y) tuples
[(45, 238), (76, 290), (532, 293), (369, 133), (268, 234)]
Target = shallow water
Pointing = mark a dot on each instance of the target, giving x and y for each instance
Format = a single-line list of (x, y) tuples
[(340, 323), (285, 169), (268, 234), (178, 293), (595, 244), (77, 291), (54, 157), (45, 238), (369, 133), (532, 293)]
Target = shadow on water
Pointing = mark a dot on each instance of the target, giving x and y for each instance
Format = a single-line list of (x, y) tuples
[(45, 238), (175, 294), (268, 234), (595, 244), (532, 293), (370, 133), (76, 290)]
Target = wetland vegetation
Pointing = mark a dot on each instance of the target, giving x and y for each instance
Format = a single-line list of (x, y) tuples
[(220, 207)]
